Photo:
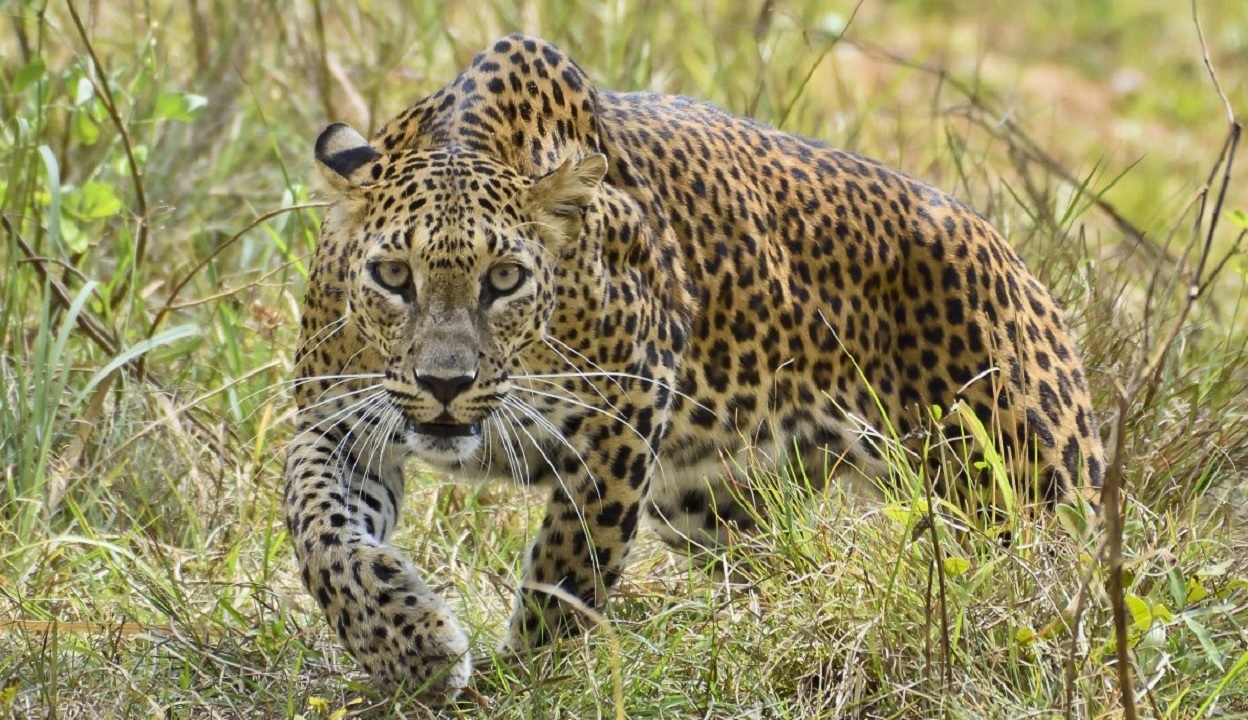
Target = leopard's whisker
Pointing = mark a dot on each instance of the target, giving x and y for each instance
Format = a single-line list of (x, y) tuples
[(505, 439), (550, 341), (328, 331), (293, 413), (340, 378), (554, 468), (577, 403), (627, 376), (542, 422)]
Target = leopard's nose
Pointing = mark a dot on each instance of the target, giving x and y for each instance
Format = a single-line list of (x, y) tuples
[(445, 389)]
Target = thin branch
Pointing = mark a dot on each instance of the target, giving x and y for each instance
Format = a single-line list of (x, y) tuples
[(1076, 619), (169, 302), (99, 79), (93, 328), (1213, 74), (1147, 374), (1110, 498)]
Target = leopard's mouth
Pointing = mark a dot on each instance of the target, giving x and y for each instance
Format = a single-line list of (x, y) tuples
[(445, 429)]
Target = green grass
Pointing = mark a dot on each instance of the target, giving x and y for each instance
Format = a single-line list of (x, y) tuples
[(147, 322)]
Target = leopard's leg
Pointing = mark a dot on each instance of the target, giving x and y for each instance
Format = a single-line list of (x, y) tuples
[(591, 521), (343, 491), (699, 513), (704, 506)]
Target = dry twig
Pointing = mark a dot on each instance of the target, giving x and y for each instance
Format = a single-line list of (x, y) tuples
[(99, 80), (1146, 375)]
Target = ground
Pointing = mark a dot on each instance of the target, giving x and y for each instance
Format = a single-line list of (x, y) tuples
[(148, 321)]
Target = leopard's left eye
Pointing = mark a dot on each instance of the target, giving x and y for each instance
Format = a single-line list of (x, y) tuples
[(505, 278), (392, 275)]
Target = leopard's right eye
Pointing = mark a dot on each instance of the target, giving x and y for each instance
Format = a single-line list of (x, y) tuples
[(392, 275)]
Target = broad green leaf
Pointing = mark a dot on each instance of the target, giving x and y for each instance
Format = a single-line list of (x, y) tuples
[(1024, 636), (955, 566), (1176, 586), (906, 513), (29, 74), (898, 513), (93, 201), (122, 164), (1232, 587), (85, 129), (1238, 217), (1072, 519), (73, 237), (1195, 591), (1141, 614), (179, 106)]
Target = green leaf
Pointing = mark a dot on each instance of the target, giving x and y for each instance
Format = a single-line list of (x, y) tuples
[(1206, 642), (955, 566), (1024, 636), (1141, 614), (1239, 217), (900, 514), (54, 188), (93, 201), (1214, 569), (169, 336), (121, 165), (1072, 519), (1232, 587), (1176, 586), (73, 237), (179, 106), (1195, 591), (84, 91), (29, 74), (85, 130)]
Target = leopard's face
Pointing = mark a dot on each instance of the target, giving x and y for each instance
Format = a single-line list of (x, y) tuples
[(450, 283), (450, 276)]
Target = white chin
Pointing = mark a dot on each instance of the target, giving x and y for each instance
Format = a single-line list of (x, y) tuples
[(448, 453)]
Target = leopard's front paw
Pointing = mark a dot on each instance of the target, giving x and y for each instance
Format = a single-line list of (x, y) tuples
[(400, 631), (540, 618)]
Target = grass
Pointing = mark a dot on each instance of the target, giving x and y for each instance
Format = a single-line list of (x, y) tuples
[(154, 186)]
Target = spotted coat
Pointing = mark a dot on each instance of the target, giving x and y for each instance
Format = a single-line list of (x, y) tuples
[(617, 295)]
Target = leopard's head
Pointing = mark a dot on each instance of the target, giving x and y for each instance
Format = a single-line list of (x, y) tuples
[(450, 267)]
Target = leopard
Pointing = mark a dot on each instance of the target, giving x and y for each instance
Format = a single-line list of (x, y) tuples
[(611, 297)]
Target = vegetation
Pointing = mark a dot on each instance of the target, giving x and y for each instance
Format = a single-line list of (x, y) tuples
[(159, 215)]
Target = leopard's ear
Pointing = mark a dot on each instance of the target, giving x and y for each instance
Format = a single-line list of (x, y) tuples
[(344, 158), (559, 199)]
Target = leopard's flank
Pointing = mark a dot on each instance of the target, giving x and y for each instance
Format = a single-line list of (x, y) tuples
[(614, 295)]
